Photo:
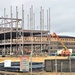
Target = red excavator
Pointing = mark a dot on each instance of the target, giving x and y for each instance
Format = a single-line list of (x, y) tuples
[(66, 51)]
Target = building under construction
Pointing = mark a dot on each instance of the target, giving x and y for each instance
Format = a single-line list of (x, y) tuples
[(16, 40)]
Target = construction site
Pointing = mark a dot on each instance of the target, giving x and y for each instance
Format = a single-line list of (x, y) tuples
[(28, 45), (16, 40)]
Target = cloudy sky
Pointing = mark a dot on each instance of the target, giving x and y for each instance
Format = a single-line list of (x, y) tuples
[(62, 13)]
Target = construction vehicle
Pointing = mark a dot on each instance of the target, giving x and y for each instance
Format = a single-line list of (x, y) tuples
[(62, 52)]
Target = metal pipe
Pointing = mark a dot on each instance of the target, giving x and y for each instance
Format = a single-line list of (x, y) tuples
[(11, 31), (34, 20), (28, 20), (6, 23), (31, 34), (56, 63), (32, 17), (43, 18), (70, 63), (4, 32), (22, 30), (41, 27), (47, 19), (49, 30), (61, 67), (10, 18), (16, 29), (40, 21)]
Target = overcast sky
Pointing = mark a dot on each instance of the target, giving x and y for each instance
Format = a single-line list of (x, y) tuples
[(62, 12)]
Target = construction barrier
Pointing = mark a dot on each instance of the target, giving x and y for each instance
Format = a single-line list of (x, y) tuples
[(59, 65)]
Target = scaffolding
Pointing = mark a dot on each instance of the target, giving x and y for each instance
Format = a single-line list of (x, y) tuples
[(12, 29)]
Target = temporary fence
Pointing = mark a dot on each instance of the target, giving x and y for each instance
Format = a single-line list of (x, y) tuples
[(60, 65)]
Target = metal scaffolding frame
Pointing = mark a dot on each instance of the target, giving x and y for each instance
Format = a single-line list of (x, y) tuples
[(11, 24)]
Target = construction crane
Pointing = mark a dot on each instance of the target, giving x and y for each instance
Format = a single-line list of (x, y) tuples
[(66, 51)]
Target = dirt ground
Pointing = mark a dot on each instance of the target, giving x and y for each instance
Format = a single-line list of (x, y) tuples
[(54, 73), (36, 73)]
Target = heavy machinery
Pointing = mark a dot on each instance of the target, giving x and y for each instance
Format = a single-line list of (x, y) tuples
[(62, 52)]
